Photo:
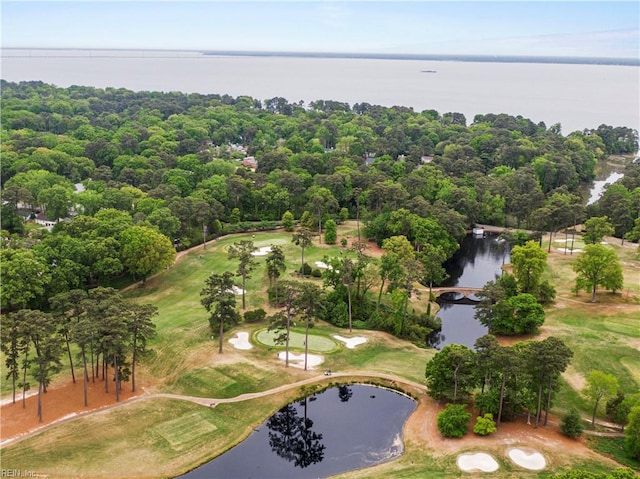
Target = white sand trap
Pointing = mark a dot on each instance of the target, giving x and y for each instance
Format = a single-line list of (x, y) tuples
[(351, 342), (241, 341), (264, 251), (528, 459), (297, 360), (236, 290), (478, 461), (323, 265)]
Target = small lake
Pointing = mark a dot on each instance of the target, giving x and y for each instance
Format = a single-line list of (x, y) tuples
[(337, 430), (478, 261)]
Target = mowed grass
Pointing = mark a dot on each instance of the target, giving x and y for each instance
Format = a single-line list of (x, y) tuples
[(316, 342), (163, 438), (603, 336), (146, 439)]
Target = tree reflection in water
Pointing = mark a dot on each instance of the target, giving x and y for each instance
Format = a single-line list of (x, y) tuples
[(291, 437), (344, 393)]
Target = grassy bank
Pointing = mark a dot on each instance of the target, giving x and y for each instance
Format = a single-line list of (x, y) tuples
[(162, 437)]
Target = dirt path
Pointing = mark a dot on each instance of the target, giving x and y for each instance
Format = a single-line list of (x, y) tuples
[(65, 403), (421, 427)]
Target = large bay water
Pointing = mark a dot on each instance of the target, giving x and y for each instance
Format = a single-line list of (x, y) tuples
[(577, 96), (340, 429)]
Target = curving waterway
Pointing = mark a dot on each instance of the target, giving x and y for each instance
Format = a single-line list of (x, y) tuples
[(478, 261), (340, 429)]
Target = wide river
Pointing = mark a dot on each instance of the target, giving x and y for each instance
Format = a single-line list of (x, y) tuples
[(576, 96)]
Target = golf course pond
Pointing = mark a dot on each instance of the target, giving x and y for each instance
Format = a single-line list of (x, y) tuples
[(478, 261), (340, 429)]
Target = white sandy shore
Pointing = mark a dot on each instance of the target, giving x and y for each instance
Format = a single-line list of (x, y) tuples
[(241, 341), (351, 342), (532, 460), (478, 461), (297, 360)]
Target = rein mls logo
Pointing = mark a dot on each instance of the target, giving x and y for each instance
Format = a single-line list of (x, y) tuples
[(19, 473)]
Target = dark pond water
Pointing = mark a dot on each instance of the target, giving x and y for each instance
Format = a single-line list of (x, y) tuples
[(478, 261), (340, 429)]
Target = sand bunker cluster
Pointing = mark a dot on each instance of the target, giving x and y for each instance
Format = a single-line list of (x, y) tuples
[(483, 462), (241, 341)]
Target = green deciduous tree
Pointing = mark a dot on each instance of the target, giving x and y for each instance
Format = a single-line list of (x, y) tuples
[(145, 251), (520, 314), (25, 278), (432, 258), (451, 373), (597, 266), (596, 228), (528, 263), (600, 385)]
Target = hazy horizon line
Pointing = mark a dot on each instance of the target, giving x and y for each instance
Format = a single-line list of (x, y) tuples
[(499, 58)]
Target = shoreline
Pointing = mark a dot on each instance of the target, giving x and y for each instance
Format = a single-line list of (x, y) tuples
[(564, 60)]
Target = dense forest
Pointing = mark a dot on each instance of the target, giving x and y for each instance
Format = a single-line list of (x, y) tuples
[(128, 177), (124, 179)]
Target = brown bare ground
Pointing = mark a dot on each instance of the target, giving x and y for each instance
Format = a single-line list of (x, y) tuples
[(60, 401), (421, 430)]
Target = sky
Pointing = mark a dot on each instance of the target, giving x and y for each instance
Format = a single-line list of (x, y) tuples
[(530, 28)]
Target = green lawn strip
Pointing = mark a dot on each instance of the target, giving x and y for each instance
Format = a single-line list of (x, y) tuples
[(317, 343), (226, 381), (600, 342), (405, 360)]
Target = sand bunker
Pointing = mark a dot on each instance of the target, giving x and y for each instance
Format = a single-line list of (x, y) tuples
[(478, 461), (323, 265), (528, 459), (241, 341), (297, 360), (351, 342), (264, 251), (236, 290)]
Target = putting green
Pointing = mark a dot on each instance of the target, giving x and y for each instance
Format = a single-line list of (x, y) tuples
[(296, 340)]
